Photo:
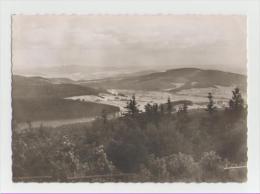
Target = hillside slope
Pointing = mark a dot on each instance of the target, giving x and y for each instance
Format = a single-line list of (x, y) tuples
[(31, 87), (175, 80), (40, 99)]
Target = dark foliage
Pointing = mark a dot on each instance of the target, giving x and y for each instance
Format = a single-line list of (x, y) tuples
[(132, 107), (34, 109), (210, 106), (169, 106), (37, 87), (236, 104), (187, 146)]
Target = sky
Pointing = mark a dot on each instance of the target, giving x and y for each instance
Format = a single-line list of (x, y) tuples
[(157, 42)]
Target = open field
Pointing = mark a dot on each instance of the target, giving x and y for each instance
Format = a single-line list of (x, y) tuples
[(198, 97)]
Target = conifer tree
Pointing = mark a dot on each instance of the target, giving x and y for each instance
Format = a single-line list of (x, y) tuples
[(132, 107), (236, 103), (161, 107), (155, 108), (169, 106), (210, 107)]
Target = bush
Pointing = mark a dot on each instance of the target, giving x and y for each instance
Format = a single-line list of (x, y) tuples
[(127, 149), (212, 167), (182, 167), (174, 168), (166, 149)]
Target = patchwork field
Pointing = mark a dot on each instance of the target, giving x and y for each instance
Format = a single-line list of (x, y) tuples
[(198, 97)]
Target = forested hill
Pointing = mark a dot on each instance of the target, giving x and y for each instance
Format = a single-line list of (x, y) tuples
[(175, 80), (40, 99), (31, 87)]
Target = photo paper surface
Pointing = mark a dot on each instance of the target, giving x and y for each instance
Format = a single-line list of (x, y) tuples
[(159, 98)]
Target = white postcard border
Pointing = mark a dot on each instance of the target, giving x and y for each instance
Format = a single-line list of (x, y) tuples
[(142, 7)]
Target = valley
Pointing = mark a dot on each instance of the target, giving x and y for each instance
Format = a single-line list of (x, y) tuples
[(54, 102), (198, 97)]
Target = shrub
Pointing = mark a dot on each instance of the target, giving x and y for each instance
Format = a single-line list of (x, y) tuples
[(182, 167), (212, 167)]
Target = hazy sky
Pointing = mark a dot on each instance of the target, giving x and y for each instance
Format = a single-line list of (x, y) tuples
[(145, 42)]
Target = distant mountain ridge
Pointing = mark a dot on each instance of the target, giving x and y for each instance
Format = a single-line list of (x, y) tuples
[(174, 80), (81, 72)]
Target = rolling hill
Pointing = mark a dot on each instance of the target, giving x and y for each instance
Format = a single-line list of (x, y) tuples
[(32, 87), (83, 72), (40, 99), (174, 80)]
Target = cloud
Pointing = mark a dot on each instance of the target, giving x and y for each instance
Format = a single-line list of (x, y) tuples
[(155, 42)]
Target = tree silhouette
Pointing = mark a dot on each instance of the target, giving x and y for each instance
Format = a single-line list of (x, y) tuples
[(161, 107), (148, 108), (236, 103), (183, 110), (210, 107), (169, 106), (132, 107), (155, 108)]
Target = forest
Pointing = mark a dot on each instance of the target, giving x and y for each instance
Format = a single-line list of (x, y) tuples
[(164, 143), (50, 108), (47, 98)]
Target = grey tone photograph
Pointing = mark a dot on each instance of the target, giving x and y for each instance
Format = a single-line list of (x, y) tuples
[(129, 98)]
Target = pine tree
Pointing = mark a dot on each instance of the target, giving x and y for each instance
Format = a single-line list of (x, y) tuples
[(236, 103), (155, 108), (182, 117), (132, 107), (161, 109), (210, 107), (169, 106)]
